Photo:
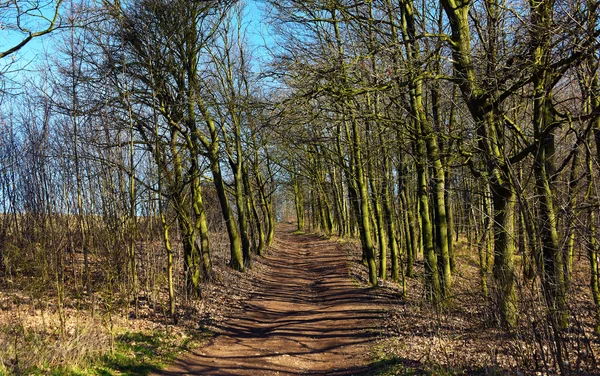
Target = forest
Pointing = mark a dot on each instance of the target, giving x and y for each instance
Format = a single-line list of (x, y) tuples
[(151, 151)]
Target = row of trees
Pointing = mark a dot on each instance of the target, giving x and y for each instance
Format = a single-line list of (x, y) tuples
[(417, 122), (142, 111), (407, 124)]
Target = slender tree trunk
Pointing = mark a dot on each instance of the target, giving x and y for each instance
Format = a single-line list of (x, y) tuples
[(191, 254), (132, 219), (337, 190), (364, 217), (267, 201), (503, 200), (409, 224), (212, 150), (430, 151), (170, 283), (502, 190), (235, 246), (553, 278), (593, 247), (594, 256), (381, 231), (432, 282), (260, 247), (450, 219), (202, 228), (486, 244), (242, 216), (299, 203), (389, 219)]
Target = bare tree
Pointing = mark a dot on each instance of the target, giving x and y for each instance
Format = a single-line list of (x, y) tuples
[(28, 20)]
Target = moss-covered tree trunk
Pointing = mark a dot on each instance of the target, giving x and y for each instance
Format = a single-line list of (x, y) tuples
[(594, 256), (430, 152), (432, 281), (260, 232), (493, 154), (504, 201), (202, 228), (242, 217), (594, 103), (235, 245), (389, 219), (544, 123), (380, 223), (298, 203), (409, 221)]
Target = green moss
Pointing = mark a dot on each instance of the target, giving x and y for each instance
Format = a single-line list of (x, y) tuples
[(142, 353)]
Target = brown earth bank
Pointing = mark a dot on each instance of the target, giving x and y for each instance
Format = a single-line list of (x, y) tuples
[(305, 316)]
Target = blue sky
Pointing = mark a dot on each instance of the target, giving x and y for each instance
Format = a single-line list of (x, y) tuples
[(35, 22), (32, 54), (258, 30)]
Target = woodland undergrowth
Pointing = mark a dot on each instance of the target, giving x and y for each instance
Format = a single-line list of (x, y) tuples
[(81, 334), (464, 338)]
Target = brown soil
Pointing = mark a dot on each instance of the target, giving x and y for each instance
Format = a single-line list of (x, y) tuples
[(304, 316)]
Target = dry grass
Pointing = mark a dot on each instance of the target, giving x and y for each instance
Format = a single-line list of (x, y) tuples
[(33, 340), (464, 338)]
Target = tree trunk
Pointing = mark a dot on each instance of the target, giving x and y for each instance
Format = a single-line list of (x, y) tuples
[(503, 200), (260, 247), (299, 204), (432, 282), (202, 228), (235, 246), (242, 216)]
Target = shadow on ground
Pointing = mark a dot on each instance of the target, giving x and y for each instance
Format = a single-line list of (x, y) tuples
[(305, 316)]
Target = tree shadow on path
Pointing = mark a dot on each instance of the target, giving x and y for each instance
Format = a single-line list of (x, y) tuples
[(304, 317)]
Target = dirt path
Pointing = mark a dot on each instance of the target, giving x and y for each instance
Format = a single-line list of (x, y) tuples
[(305, 318)]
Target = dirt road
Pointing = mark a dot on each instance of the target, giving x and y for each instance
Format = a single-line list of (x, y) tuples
[(306, 317)]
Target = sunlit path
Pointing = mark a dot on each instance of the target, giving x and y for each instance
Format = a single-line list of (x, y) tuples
[(305, 317)]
